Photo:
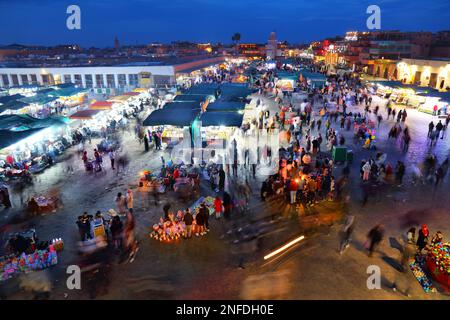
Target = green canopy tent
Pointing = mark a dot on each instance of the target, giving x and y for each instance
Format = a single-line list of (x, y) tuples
[(13, 105), (38, 99), (8, 138)]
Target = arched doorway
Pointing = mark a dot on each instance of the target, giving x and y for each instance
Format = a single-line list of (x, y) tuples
[(394, 75), (378, 73), (386, 73)]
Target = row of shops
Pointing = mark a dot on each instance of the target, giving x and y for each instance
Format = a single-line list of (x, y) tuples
[(29, 144), (424, 99), (42, 102), (208, 111)]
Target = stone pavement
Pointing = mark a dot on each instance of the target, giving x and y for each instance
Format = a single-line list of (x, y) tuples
[(206, 267)]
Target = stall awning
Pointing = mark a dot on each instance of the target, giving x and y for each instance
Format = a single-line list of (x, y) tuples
[(66, 92), (8, 138), (38, 99), (191, 97), (226, 106), (13, 105), (13, 97), (182, 105), (221, 118), (84, 114), (444, 96), (25, 122), (102, 105), (172, 117)]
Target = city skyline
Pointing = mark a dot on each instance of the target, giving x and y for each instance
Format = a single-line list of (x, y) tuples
[(153, 21)]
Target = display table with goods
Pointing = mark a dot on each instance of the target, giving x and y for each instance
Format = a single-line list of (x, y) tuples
[(417, 269), (438, 263), (33, 255), (174, 228), (149, 182)]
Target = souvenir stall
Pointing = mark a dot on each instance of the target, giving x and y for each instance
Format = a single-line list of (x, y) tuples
[(431, 102), (33, 147), (402, 95), (438, 263), (174, 228), (39, 105), (173, 122), (26, 254)]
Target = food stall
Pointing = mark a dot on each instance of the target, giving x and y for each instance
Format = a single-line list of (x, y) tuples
[(431, 102), (31, 144), (438, 263)]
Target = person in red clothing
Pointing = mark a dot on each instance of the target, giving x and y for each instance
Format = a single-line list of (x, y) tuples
[(293, 186), (218, 206), (176, 174)]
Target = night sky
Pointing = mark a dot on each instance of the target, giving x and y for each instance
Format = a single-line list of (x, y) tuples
[(43, 22)]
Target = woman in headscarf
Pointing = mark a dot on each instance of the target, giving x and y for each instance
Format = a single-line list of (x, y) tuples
[(422, 239)]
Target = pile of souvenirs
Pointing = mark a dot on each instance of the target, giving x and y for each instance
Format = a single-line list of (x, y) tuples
[(174, 228), (421, 277), (440, 255), (15, 264)]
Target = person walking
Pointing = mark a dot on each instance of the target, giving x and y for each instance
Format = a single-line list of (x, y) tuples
[(218, 207), (346, 233), (116, 229), (439, 128), (399, 172), (430, 128), (112, 158), (293, 187), (130, 243), (374, 238), (200, 221), (121, 203), (130, 200), (403, 279)]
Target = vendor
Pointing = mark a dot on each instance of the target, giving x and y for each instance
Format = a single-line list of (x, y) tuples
[(33, 206)]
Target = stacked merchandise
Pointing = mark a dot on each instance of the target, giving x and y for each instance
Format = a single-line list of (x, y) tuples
[(25, 263)]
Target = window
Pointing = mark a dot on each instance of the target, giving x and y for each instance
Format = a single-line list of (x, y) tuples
[(99, 81), (5, 80), (24, 79), (88, 80), (67, 78), (15, 80), (33, 79), (134, 80), (110, 81), (78, 80), (122, 80)]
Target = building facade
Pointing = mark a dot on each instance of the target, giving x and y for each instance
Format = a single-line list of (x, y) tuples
[(430, 73), (122, 76)]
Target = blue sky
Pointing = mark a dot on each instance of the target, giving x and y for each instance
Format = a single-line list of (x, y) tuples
[(144, 21)]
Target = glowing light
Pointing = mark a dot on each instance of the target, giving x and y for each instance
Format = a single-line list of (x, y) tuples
[(283, 248)]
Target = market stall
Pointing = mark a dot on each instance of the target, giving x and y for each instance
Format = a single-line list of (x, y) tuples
[(174, 228), (438, 263)]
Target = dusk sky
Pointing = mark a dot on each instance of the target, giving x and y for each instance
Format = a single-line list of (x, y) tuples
[(43, 22)]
